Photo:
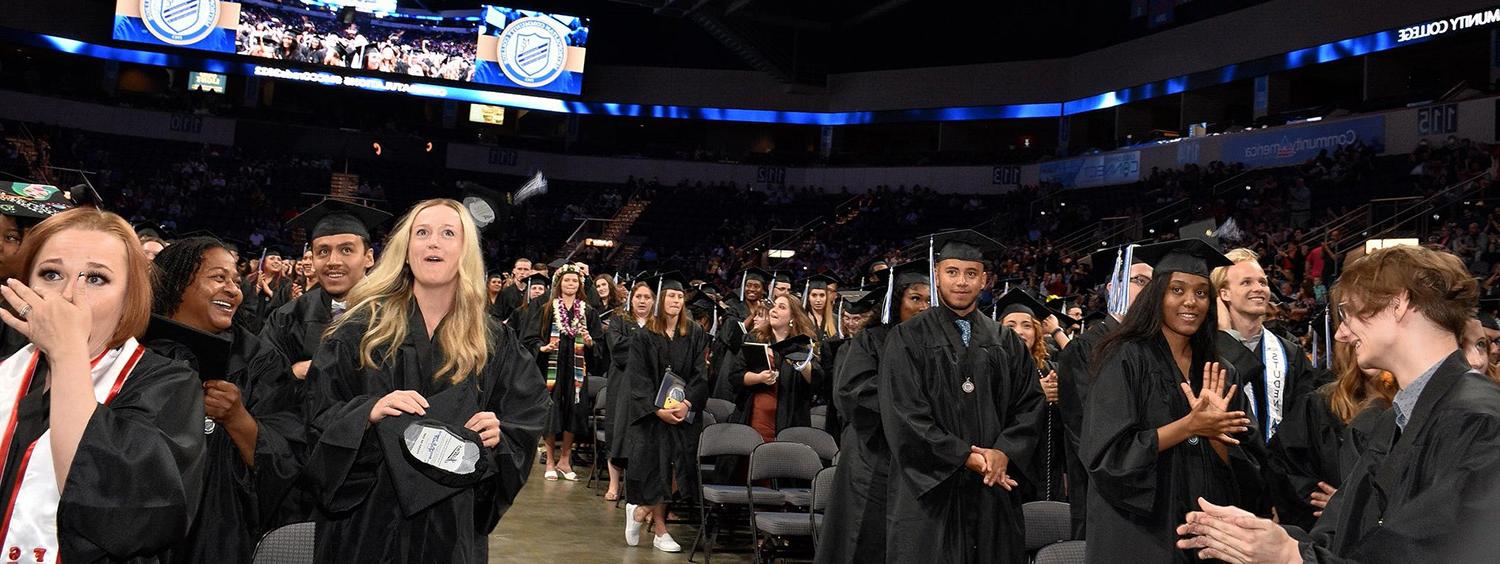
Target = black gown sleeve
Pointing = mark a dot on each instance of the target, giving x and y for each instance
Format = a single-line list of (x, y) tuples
[(1028, 406), (925, 454), (343, 455), (856, 386), (1119, 446), (280, 442), (520, 400), (699, 381), (640, 373), (138, 473), (283, 330)]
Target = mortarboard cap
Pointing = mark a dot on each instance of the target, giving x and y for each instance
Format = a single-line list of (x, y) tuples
[(23, 200), (1188, 256), (338, 217), (897, 279), (486, 206), (145, 229), (782, 276), (556, 264), (796, 348), (962, 244), (1102, 263), (1018, 301), (859, 302), (539, 280), (432, 456), (208, 353)]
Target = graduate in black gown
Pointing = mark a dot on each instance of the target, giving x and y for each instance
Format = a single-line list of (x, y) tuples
[(514, 295), (854, 523), (90, 407), (1164, 423), (560, 331), (1425, 488), (621, 333), (1277, 377), (251, 404), (959, 405), (779, 397), (340, 236), (417, 351), (1029, 319), (743, 313), (660, 440), (1112, 268)]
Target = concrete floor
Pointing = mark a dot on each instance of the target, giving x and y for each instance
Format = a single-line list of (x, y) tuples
[(569, 523)]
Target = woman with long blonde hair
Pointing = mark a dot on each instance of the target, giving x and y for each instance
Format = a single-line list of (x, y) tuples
[(780, 397), (416, 359), (561, 331)]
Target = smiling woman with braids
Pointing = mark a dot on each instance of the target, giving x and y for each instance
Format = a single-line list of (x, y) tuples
[(418, 360), (252, 408)]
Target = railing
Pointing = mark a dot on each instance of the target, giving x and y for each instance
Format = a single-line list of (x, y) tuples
[(1419, 211)]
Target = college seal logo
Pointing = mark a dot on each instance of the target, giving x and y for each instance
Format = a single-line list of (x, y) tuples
[(180, 22), (532, 51)]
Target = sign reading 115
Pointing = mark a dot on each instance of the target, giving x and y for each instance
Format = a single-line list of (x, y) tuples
[(1437, 120)]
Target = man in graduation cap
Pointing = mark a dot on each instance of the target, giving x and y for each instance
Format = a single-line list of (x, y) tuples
[(1276, 373), (1123, 276), (338, 234), (959, 405)]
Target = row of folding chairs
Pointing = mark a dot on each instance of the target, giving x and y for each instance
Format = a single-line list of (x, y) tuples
[(786, 488)]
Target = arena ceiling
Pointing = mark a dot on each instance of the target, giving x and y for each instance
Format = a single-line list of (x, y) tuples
[(800, 42)]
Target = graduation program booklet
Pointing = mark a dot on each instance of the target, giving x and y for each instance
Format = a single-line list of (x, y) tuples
[(672, 392), (757, 356)]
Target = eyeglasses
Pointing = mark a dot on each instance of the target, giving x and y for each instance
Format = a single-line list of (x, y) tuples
[(1339, 307), (1140, 280)]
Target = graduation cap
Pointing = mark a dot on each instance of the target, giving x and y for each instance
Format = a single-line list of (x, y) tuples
[(145, 229), (1102, 263), (796, 349), (959, 244), (539, 280), (868, 269), (1188, 256), (207, 353), (432, 456), (671, 280), (1095, 316), (898, 278), (753, 273), (1018, 301), (486, 206), (782, 276), (27, 201), (556, 264), (858, 302), (816, 282), (338, 217)]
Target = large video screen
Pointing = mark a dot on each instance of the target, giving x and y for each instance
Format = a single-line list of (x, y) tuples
[(496, 46)]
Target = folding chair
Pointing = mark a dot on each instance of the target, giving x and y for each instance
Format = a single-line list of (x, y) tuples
[(822, 492), (1047, 523), (781, 461), (819, 415), (821, 443), (725, 439), (288, 544), (1066, 552), (599, 422), (721, 408)]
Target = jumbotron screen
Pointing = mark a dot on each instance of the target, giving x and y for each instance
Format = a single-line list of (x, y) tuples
[(497, 46)]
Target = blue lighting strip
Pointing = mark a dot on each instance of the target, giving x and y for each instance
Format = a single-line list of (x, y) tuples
[(1327, 52)]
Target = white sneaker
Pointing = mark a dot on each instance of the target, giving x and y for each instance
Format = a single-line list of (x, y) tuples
[(665, 543), (632, 527)]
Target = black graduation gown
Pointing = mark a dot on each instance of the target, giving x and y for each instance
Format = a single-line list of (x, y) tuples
[(1074, 373), (1428, 493), (1138, 496), (567, 415), (617, 339), (726, 346), (657, 452), (137, 476), (1304, 451), (854, 523), (296, 330), (793, 393), (938, 510), (507, 302), (232, 515), (346, 461), (1288, 493), (1051, 462)]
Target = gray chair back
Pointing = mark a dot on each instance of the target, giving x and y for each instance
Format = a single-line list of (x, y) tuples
[(721, 408), (289, 544), (1047, 522), (783, 460), (1066, 552), (728, 439), (820, 441)]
